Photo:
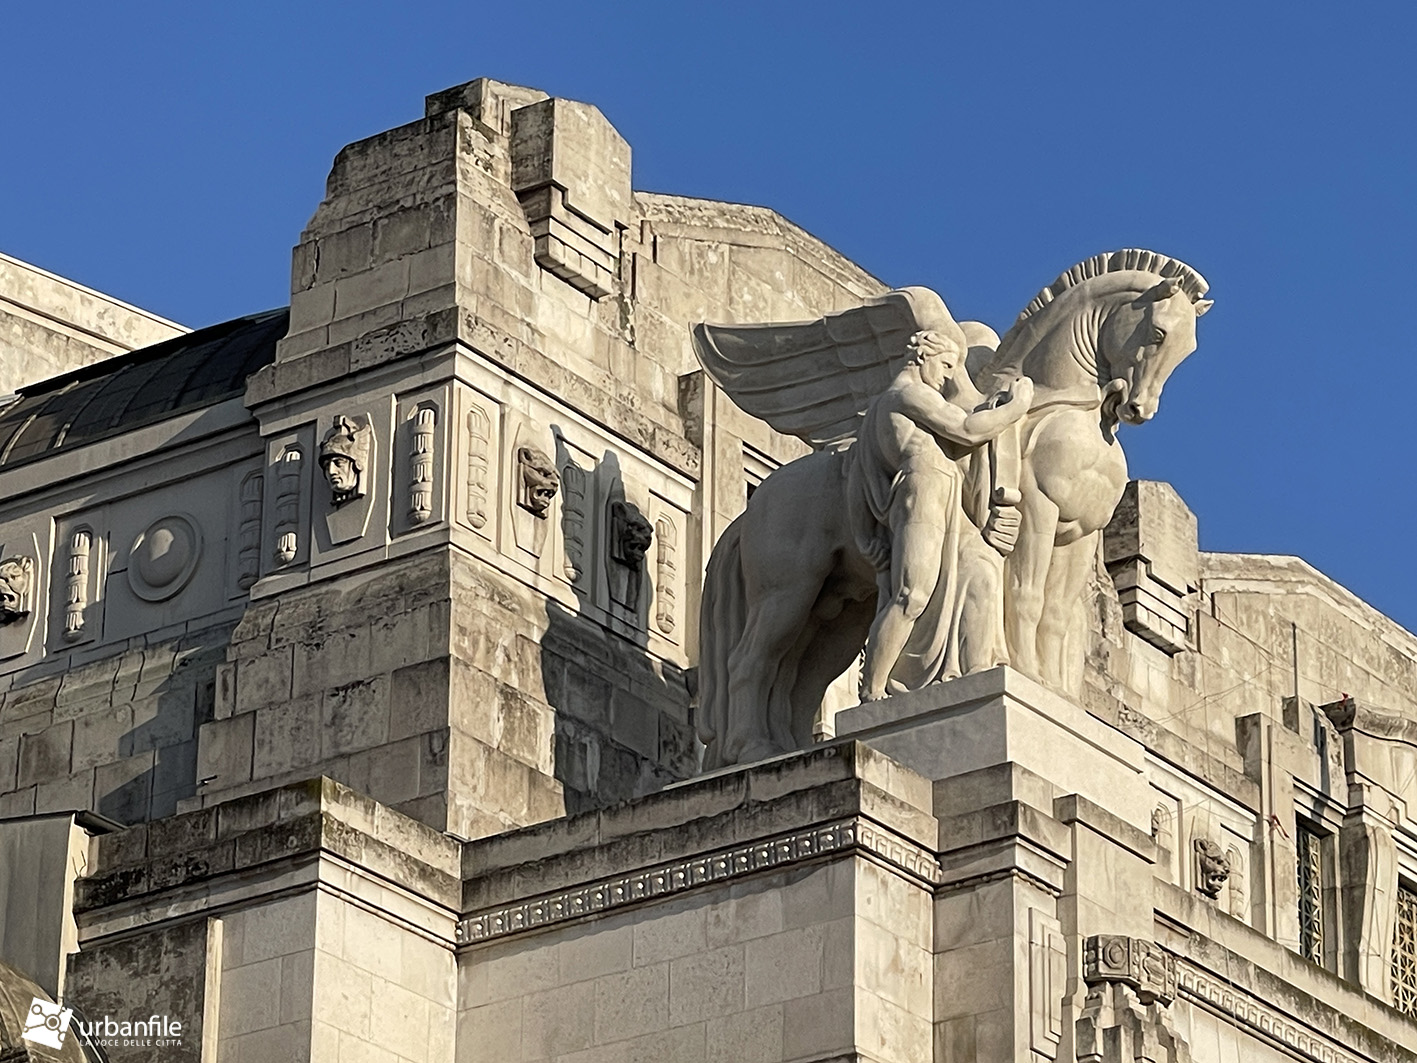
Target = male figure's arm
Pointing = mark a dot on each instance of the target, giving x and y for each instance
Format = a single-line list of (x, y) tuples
[(943, 419)]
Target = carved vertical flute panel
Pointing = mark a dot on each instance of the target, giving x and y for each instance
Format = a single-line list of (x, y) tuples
[(288, 469), (573, 490), (76, 584), (479, 447), (249, 551), (420, 464), (665, 574)]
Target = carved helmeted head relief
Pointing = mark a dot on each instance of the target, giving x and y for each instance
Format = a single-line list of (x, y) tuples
[(1212, 867), (16, 578), (538, 481), (344, 455)]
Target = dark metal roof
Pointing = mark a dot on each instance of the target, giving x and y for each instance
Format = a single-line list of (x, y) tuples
[(141, 387)]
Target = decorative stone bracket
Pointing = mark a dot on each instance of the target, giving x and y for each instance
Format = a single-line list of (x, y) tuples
[(1126, 1017)]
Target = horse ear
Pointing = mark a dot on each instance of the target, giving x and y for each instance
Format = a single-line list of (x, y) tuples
[(1202, 305), (1161, 291)]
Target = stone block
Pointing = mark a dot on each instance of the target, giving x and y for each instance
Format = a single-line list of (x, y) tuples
[(65, 793), (9, 762), (631, 1003), (558, 1022), (596, 949), (333, 658), (746, 1037), (343, 994), (496, 1029), (819, 1026), (45, 755), (123, 789), (1151, 552), (706, 985), (384, 285), (784, 966), (264, 680), (354, 717), (279, 928), (250, 998), (224, 751), (420, 698), (155, 971), (670, 931), (287, 736), (98, 736)]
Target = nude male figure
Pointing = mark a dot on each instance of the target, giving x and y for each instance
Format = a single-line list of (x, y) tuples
[(907, 486)]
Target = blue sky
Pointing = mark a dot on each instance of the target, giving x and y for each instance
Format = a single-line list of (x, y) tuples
[(171, 153)]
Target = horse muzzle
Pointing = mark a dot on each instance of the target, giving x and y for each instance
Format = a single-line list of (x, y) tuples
[(1136, 412)]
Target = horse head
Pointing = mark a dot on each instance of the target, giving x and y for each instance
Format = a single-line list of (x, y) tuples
[(1142, 341)]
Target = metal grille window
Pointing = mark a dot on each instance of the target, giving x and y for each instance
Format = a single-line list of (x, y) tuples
[(1311, 893), (1404, 952)]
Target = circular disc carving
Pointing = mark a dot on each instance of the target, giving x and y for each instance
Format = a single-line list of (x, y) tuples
[(164, 557)]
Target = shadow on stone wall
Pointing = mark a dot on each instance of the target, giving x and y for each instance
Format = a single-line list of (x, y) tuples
[(622, 713)]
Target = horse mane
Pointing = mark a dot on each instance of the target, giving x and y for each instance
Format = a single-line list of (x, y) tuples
[(1130, 258)]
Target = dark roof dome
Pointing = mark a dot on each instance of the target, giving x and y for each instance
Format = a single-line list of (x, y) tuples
[(125, 392)]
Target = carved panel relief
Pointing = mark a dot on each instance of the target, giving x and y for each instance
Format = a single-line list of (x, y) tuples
[(163, 557), (16, 588), (348, 462), (20, 584), (288, 472), (1047, 982), (479, 464), (248, 558), (76, 583), (630, 538), (666, 577), (536, 483), (574, 483), (1212, 867), (1238, 898), (421, 457)]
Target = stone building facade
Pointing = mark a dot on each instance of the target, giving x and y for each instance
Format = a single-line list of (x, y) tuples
[(347, 691)]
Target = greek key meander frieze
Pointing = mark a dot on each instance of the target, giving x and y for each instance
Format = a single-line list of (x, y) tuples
[(1195, 985), (679, 876)]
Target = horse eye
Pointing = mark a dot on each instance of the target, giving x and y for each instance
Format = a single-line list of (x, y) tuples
[(1158, 335)]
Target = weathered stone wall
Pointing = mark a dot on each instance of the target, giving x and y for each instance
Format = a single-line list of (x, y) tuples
[(50, 325)]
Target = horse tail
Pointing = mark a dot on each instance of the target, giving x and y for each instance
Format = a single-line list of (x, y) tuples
[(723, 614)]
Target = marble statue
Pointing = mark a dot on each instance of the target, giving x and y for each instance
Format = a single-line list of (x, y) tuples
[(1099, 343), (344, 456), (873, 539), (950, 514)]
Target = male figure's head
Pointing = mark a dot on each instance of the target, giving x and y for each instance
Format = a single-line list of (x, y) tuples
[(343, 454), (937, 353)]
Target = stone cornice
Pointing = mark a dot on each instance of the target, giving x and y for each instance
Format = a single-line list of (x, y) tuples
[(1199, 987), (854, 834)]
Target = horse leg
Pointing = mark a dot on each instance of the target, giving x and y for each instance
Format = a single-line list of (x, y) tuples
[(1026, 578), (1067, 577), (837, 643), (775, 622)]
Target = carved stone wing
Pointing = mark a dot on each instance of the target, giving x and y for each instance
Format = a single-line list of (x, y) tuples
[(814, 379)]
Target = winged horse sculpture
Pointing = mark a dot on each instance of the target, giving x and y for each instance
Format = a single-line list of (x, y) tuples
[(790, 595)]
